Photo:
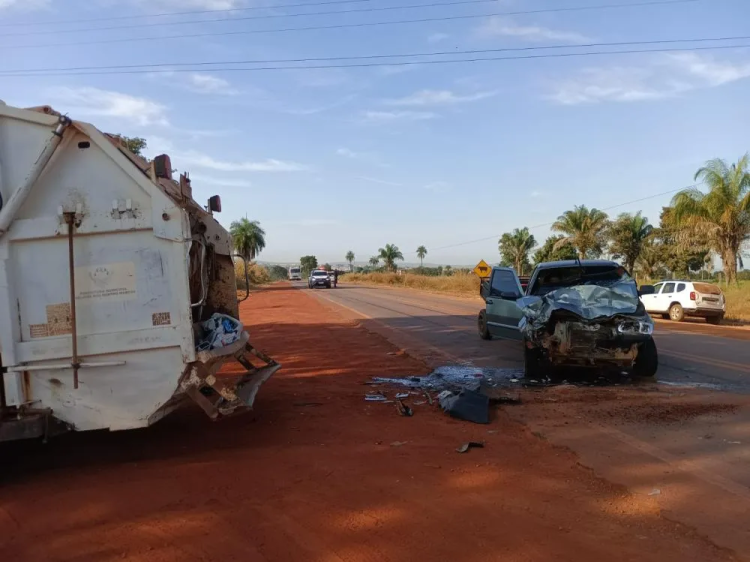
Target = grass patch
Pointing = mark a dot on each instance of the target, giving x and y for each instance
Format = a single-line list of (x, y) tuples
[(257, 274), (738, 301), (467, 285), (459, 284)]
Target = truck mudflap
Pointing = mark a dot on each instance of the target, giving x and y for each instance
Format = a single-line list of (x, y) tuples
[(221, 395)]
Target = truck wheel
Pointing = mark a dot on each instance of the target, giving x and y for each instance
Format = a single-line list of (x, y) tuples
[(647, 361), (715, 320), (534, 366), (676, 312), (484, 331)]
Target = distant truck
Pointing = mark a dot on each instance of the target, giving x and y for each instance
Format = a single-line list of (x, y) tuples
[(295, 273), (118, 296)]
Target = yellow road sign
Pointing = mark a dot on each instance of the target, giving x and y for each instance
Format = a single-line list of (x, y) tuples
[(483, 270)]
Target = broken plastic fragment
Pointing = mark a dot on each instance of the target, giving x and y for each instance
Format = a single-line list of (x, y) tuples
[(471, 444)]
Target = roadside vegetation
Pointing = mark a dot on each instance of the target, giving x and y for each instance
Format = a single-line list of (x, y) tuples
[(701, 226)]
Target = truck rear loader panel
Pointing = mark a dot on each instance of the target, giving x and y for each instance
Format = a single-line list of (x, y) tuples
[(148, 263)]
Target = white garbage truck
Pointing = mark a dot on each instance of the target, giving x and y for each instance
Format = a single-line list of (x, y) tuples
[(111, 277)]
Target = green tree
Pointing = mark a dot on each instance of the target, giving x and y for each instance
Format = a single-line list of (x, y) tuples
[(389, 255), (278, 272), (584, 229), (555, 248), (308, 263), (681, 250), (627, 236), (134, 144), (722, 215), (350, 259), (374, 261), (515, 248), (421, 253), (649, 261), (248, 238), (448, 270)]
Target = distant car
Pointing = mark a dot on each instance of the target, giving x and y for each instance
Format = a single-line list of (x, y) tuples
[(675, 300), (319, 278)]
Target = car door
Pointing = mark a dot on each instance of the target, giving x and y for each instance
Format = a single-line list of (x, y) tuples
[(650, 301), (503, 314), (665, 297)]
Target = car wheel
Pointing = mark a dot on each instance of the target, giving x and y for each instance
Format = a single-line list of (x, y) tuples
[(647, 361), (676, 312), (484, 331), (534, 365), (715, 320)]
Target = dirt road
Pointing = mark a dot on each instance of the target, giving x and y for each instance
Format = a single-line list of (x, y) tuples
[(317, 474)]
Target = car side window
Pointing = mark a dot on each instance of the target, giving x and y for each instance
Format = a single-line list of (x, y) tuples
[(657, 288), (668, 289), (503, 282), (680, 287)]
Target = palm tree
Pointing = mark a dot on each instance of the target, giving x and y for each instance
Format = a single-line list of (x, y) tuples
[(350, 259), (515, 247), (583, 228), (248, 238), (649, 260), (628, 235), (389, 255), (723, 214), (374, 261), (421, 253)]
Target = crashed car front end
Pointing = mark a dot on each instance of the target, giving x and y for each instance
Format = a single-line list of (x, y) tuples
[(588, 325)]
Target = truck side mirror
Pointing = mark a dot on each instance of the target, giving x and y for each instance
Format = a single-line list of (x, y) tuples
[(214, 204)]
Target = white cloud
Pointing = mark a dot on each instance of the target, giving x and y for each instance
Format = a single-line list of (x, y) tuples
[(664, 77), (346, 153), (438, 186), (438, 97), (24, 5), (379, 181), (501, 27), (89, 101), (437, 37), (391, 116), (201, 160), (208, 84)]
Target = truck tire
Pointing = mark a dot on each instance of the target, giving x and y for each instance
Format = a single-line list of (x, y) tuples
[(715, 320), (534, 365), (647, 362), (484, 331), (676, 312)]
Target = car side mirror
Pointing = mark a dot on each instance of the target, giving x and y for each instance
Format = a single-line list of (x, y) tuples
[(646, 290)]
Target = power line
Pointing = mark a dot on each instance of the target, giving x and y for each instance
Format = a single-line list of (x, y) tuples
[(190, 13), (141, 25), (353, 25), (382, 56), (379, 64), (547, 224)]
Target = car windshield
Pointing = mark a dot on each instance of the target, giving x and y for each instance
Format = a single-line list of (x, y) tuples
[(320, 274), (601, 275)]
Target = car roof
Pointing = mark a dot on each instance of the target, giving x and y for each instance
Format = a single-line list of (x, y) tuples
[(575, 263)]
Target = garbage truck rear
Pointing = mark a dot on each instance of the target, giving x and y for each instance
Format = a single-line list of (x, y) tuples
[(112, 282)]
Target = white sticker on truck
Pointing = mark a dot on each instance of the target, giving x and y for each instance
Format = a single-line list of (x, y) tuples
[(110, 281)]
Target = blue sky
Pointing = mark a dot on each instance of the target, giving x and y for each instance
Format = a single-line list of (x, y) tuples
[(330, 160)]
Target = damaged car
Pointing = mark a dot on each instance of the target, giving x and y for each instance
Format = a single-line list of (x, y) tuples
[(579, 313)]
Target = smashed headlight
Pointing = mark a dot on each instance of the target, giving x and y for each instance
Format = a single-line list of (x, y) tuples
[(636, 328)]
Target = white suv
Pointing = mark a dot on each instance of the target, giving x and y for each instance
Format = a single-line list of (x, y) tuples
[(676, 299)]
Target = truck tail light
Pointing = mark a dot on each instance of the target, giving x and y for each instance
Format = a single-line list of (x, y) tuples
[(692, 296)]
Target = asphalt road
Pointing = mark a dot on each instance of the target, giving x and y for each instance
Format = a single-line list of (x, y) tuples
[(690, 353)]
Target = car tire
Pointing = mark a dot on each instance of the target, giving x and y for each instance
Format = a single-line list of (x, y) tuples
[(715, 320), (647, 361), (484, 331), (534, 364), (676, 312)]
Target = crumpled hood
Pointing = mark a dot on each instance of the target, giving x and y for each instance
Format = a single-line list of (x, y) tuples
[(589, 302)]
